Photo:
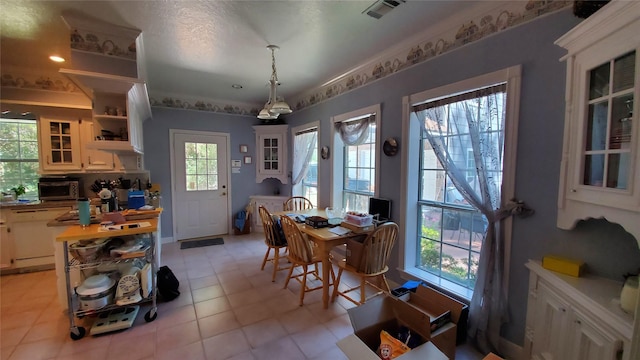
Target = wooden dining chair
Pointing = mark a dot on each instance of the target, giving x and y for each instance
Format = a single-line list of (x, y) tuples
[(274, 240), (296, 203), (372, 264), (301, 254)]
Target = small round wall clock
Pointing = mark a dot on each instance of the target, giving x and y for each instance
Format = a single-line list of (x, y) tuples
[(324, 152), (390, 147)]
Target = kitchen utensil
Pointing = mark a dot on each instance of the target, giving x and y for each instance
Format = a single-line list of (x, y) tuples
[(96, 292), (145, 280), (334, 215), (86, 251), (128, 291)]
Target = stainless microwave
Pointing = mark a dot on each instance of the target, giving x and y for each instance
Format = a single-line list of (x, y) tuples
[(58, 190)]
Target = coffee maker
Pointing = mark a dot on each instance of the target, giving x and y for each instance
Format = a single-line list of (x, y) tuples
[(109, 201)]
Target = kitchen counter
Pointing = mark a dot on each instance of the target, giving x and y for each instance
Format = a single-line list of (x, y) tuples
[(36, 204), (71, 217), (93, 231)]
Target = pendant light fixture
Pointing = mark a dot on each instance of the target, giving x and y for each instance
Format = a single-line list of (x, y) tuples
[(275, 106)]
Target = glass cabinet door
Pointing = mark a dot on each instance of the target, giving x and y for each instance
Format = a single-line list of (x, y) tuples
[(270, 151), (61, 145), (607, 151)]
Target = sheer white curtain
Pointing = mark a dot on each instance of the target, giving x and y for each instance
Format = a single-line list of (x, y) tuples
[(303, 145), (454, 126), (354, 132)]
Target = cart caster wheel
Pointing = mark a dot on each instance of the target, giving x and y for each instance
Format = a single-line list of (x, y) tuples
[(78, 334), (148, 317)]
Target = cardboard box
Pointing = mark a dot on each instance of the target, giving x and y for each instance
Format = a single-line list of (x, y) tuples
[(492, 356), (563, 265), (357, 228), (387, 313), (355, 247), (445, 313)]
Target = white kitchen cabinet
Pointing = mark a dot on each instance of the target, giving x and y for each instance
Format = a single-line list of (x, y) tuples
[(30, 239), (271, 203), (271, 147), (120, 105), (6, 242), (59, 144), (600, 169), (94, 159), (575, 318)]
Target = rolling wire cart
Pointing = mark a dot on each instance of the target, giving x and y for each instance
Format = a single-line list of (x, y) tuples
[(147, 257)]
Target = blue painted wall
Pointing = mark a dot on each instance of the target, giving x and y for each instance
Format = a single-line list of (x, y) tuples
[(157, 158), (607, 249)]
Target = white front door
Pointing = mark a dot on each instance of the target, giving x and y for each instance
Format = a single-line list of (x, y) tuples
[(200, 190)]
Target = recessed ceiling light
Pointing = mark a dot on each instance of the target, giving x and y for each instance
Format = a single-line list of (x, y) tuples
[(236, 86), (56, 58)]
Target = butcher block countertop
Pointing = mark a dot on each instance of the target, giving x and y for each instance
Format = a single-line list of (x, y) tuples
[(71, 217), (77, 232)]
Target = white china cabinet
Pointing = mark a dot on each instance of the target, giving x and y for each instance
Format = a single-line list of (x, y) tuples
[(271, 203), (600, 169), (571, 318), (271, 147)]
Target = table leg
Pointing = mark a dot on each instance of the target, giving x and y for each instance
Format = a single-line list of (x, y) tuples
[(326, 274)]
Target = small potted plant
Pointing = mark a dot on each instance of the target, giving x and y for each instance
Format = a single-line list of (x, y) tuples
[(18, 191)]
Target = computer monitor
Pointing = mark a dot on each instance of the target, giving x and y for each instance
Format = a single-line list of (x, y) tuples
[(381, 208)]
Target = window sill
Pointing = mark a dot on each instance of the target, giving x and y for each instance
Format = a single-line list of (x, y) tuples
[(454, 290)]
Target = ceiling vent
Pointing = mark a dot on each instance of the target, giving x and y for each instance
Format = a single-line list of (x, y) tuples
[(381, 7)]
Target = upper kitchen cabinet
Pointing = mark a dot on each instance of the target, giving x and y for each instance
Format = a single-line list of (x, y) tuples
[(271, 147), (60, 144), (106, 65), (120, 105), (94, 159), (600, 170)]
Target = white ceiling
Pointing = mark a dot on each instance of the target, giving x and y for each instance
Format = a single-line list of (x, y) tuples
[(201, 48)]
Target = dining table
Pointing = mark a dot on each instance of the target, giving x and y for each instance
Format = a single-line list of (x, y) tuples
[(325, 241)]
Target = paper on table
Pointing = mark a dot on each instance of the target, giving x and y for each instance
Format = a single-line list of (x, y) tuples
[(124, 226), (339, 230)]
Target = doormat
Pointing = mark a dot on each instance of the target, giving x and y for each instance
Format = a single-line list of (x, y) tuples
[(200, 243)]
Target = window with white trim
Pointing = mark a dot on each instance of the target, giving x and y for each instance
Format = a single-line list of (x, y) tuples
[(356, 160), (305, 162), (19, 156), (473, 127)]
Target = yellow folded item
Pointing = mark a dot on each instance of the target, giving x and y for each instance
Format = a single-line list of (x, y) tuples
[(390, 347), (563, 265)]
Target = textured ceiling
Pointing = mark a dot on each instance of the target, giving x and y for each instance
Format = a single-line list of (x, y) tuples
[(200, 48)]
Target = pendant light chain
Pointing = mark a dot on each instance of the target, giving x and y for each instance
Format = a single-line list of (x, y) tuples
[(274, 106), (274, 74)]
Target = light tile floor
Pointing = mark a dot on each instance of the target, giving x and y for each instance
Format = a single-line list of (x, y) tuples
[(228, 309)]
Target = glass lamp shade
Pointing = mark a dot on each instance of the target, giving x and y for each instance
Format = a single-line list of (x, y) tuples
[(266, 115), (281, 107)]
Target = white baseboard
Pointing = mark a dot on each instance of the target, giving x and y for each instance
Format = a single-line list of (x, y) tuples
[(167, 240)]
